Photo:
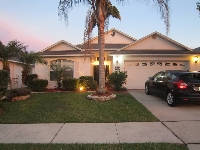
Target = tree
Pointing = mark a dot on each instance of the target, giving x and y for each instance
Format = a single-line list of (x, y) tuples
[(98, 15), (12, 50), (58, 72), (26, 60), (198, 6)]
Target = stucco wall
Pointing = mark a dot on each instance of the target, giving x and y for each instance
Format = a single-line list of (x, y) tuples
[(82, 67), (154, 44), (61, 47), (191, 65), (15, 74), (118, 38)]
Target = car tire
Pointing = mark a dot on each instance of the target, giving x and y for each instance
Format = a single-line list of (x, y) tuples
[(171, 99), (147, 90)]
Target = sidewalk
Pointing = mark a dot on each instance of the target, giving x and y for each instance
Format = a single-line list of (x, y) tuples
[(131, 132)]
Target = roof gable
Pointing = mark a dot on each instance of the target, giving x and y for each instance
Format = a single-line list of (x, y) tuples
[(61, 46), (155, 41), (114, 36)]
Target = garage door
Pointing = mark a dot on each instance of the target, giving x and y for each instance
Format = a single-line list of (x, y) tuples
[(139, 71)]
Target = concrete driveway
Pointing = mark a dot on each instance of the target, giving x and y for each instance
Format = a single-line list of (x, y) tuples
[(182, 120)]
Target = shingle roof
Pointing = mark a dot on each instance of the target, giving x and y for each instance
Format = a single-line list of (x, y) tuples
[(107, 46), (66, 52), (154, 52), (197, 49)]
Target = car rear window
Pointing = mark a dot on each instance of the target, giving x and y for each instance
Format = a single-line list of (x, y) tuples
[(192, 77)]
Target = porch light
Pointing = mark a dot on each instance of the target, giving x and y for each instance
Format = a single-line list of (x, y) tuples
[(196, 59)]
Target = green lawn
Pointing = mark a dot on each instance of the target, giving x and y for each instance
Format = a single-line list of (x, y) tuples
[(144, 146), (73, 107)]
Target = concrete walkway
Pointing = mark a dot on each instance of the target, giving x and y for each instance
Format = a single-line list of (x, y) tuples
[(183, 120), (132, 132)]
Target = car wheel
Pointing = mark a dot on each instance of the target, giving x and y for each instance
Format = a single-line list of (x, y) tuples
[(170, 99), (147, 90)]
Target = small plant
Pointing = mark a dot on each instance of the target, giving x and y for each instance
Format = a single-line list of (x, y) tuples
[(117, 79), (88, 82), (70, 84), (38, 85)]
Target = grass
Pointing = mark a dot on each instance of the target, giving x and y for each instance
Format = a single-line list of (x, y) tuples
[(144, 146), (73, 107)]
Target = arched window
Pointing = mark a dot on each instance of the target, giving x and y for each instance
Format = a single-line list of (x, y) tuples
[(61, 69)]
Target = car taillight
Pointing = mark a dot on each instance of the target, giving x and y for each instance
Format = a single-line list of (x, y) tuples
[(180, 84)]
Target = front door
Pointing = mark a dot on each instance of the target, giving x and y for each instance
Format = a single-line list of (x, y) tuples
[(96, 72)]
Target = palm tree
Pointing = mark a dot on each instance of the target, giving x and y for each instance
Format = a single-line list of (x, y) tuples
[(26, 60), (98, 14), (10, 51), (198, 6)]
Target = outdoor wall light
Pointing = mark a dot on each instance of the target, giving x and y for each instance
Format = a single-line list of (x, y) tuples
[(196, 59)]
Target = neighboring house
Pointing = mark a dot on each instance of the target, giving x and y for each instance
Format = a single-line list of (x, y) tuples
[(15, 73), (140, 58)]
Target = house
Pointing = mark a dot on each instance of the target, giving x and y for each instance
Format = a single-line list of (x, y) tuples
[(139, 58), (15, 73)]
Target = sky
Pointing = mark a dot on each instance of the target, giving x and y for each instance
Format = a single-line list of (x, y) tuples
[(36, 23)]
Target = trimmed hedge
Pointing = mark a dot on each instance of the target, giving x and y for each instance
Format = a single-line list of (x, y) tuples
[(38, 85), (4, 79), (70, 84), (30, 78), (88, 82)]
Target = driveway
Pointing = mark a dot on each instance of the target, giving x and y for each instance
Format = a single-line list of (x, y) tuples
[(182, 120)]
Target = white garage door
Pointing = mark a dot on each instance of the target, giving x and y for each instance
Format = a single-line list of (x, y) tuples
[(139, 71)]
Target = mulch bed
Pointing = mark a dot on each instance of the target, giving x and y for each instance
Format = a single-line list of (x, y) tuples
[(109, 91)]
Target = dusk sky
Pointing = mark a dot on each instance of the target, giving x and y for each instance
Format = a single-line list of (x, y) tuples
[(36, 23)]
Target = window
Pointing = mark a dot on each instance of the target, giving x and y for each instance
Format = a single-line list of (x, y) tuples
[(144, 64), (61, 69)]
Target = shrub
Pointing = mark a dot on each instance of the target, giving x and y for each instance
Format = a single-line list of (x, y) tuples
[(38, 85), (4, 79), (30, 78), (117, 79), (88, 82), (70, 84), (17, 92)]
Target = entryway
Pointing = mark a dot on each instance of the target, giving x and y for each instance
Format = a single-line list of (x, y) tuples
[(96, 72)]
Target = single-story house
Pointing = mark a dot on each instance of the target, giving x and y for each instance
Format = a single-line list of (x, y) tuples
[(139, 58), (15, 73)]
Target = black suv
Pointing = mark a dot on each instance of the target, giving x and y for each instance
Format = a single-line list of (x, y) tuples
[(175, 86)]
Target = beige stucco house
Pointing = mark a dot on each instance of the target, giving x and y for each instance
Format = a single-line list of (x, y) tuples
[(140, 58), (15, 73)]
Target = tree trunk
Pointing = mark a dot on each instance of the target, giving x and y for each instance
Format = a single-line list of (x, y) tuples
[(101, 42)]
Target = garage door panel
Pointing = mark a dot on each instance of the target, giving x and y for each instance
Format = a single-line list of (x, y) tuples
[(139, 71)]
